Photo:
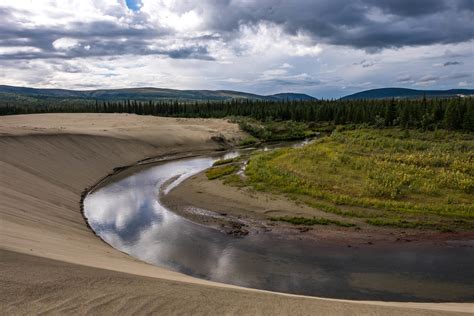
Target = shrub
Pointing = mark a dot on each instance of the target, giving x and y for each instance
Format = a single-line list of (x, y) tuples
[(215, 173)]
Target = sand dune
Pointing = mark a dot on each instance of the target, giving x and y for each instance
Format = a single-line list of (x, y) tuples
[(51, 262)]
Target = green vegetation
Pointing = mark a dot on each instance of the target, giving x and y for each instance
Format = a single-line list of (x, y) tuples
[(389, 177), (401, 223), (234, 180), (218, 172), (278, 119), (275, 130), (250, 140), (225, 161), (311, 221)]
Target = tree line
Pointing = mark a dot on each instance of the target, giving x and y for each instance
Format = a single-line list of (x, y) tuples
[(453, 113)]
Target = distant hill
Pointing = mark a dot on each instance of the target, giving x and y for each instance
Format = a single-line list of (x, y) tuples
[(32, 95), (292, 96), (402, 93)]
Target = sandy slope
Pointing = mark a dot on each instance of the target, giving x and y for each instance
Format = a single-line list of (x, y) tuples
[(51, 262)]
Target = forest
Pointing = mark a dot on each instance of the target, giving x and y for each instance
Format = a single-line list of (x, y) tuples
[(428, 114)]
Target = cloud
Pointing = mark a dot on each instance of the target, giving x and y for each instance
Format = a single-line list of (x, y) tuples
[(452, 63), (404, 78), (467, 5), (65, 43), (466, 84), (269, 38), (282, 78), (98, 28), (409, 8), (260, 46), (427, 80), (459, 76), (349, 23), (365, 63), (104, 36)]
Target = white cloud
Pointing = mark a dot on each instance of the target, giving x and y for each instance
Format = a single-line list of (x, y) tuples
[(270, 39), (58, 12), (7, 50), (167, 14), (65, 43)]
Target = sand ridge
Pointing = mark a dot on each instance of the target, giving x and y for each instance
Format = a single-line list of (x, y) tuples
[(51, 262)]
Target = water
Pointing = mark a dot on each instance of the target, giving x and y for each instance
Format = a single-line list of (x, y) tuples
[(128, 215)]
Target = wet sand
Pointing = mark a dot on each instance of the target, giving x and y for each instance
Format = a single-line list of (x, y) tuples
[(51, 262), (255, 208)]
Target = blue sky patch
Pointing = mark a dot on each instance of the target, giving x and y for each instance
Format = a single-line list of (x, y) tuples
[(133, 4)]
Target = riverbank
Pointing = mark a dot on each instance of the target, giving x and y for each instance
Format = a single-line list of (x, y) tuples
[(51, 261), (253, 211), (365, 186)]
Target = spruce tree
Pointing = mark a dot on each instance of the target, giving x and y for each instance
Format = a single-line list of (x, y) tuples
[(390, 113), (404, 116), (468, 121), (452, 117)]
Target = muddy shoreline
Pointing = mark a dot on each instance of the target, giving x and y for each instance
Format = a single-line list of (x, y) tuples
[(214, 204)]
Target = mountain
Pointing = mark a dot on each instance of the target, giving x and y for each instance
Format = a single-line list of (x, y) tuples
[(402, 93), (292, 96), (16, 94)]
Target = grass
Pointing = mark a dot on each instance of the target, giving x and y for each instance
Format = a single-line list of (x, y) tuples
[(250, 140), (234, 180), (391, 177), (218, 172), (311, 221), (225, 161)]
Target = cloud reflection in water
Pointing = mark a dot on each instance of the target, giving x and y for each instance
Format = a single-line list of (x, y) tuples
[(128, 215)]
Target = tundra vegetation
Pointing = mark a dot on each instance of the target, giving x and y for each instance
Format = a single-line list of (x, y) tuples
[(382, 177)]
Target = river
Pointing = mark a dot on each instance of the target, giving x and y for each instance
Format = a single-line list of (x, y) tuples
[(127, 214)]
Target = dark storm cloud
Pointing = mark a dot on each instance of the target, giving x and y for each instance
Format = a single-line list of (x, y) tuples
[(409, 7), (365, 24), (466, 5)]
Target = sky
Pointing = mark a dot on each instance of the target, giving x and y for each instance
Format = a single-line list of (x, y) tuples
[(325, 48)]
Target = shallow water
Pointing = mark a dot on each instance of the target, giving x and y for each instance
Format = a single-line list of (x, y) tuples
[(128, 215)]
